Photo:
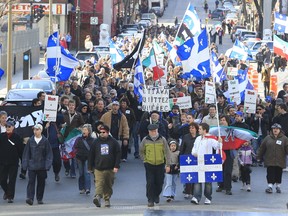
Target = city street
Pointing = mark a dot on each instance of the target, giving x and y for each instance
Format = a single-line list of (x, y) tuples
[(129, 196)]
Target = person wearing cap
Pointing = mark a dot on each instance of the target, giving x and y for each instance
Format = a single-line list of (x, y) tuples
[(273, 151), (113, 94), (204, 145), (265, 77), (104, 161), (37, 159), (67, 91), (118, 124), (154, 151), (11, 148), (240, 120), (174, 117)]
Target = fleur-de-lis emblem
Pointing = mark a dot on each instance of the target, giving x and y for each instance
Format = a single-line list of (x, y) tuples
[(187, 48)]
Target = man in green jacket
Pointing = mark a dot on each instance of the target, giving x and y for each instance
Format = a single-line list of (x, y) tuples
[(154, 151)]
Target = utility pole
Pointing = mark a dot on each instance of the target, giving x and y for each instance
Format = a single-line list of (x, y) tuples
[(9, 48), (78, 24), (50, 17)]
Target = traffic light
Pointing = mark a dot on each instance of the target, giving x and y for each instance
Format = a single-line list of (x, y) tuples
[(38, 12)]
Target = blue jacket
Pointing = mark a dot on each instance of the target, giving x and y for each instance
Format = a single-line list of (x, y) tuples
[(37, 156)]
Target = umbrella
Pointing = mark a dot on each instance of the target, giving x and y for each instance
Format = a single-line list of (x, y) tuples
[(233, 137)]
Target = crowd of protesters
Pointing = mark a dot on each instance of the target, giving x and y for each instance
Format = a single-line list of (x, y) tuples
[(100, 101)]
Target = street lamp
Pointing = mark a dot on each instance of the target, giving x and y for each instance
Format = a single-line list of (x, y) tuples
[(78, 20)]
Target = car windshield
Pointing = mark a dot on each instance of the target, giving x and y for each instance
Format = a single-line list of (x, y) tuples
[(249, 44), (102, 49), (39, 84), (86, 56), (16, 95)]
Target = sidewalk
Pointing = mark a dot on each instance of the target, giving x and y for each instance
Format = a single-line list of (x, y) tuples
[(18, 77)]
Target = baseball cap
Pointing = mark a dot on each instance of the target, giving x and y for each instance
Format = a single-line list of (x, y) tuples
[(105, 128), (279, 101), (154, 111), (66, 85), (38, 127), (115, 103), (239, 113), (175, 107), (276, 125), (10, 123), (152, 126), (268, 99)]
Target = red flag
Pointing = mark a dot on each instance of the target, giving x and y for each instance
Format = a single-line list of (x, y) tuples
[(157, 72)]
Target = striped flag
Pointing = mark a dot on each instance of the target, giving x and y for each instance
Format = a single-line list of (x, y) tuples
[(280, 47), (139, 80)]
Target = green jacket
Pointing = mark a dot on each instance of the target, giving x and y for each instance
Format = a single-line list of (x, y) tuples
[(155, 152)]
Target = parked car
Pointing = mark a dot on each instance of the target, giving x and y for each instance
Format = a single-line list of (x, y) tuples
[(255, 45), (228, 5), (219, 13), (86, 55), (144, 23), (20, 97), (45, 85), (102, 50), (157, 10), (231, 17), (234, 29), (135, 27), (150, 16), (240, 34)]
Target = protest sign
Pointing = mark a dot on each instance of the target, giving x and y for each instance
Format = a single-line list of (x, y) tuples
[(156, 98), (209, 92), (182, 102), (234, 93), (50, 108), (250, 101), (231, 71)]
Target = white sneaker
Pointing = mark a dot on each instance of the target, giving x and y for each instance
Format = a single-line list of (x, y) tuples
[(285, 170), (243, 187), (187, 196), (194, 200), (248, 188), (207, 201)]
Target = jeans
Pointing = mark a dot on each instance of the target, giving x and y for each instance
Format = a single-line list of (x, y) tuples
[(256, 144), (84, 181), (41, 175), (70, 167), (198, 191), (266, 88), (170, 185), (136, 138)]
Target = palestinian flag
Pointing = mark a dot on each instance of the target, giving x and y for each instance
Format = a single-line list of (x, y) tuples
[(66, 149)]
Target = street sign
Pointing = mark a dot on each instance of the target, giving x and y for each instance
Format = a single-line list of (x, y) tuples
[(93, 20)]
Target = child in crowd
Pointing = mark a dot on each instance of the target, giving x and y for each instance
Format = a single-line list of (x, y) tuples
[(246, 154), (171, 177)]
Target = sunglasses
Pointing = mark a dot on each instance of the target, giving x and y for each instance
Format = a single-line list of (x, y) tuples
[(102, 132), (8, 126), (259, 109)]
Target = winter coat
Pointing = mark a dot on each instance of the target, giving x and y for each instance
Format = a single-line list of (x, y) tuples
[(274, 150), (10, 149), (187, 144), (82, 152), (37, 156)]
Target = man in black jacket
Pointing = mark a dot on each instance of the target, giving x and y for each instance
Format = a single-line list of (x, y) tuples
[(104, 161)]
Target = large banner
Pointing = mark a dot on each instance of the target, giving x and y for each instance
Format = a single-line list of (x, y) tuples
[(182, 102), (156, 98), (204, 168), (24, 118), (250, 101)]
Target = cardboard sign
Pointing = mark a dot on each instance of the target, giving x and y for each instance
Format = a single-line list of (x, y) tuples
[(231, 71), (182, 102), (50, 108), (234, 93), (209, 93), (156, 98), (250, 101)]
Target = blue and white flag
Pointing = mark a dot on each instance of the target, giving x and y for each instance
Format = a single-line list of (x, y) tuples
[(1, 70), (194, 55), (204, 168), (172, 53), (244, 83), (116, 54), (60, 62), (218, 73), (280, 23), (139, 80), (240, 51), (191, 20)]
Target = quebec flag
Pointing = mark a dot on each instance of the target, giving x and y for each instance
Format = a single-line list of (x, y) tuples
[(280, 23), (240, 51), (139, 80), (116, 54), (219, 74), (194, 55), (60, 62), (205, 168)]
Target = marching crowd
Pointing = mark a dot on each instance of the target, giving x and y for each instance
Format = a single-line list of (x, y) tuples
[(100, 101)]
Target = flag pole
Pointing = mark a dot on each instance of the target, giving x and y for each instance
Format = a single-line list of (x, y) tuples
[(214, 86), (182, 20), (57, 59), (142, 38)]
